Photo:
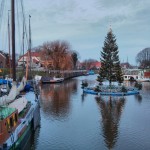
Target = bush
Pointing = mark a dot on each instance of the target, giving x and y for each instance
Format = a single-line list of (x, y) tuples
[(84, 84), (97, 89), (123, 89), (138, 85)]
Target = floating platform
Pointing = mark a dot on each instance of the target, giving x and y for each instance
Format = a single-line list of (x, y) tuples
[(90, 91)]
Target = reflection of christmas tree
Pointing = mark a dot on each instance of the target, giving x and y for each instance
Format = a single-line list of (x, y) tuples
[(111, 111), (138, 97)]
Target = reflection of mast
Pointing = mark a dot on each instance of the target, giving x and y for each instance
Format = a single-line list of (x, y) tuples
[(111, 112)]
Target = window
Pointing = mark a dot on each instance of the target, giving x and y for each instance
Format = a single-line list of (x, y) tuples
[(11, 122), (16, 118)]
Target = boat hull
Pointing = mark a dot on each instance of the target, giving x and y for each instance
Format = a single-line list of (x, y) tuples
[(51, 80), (27, 125), (134, 92)]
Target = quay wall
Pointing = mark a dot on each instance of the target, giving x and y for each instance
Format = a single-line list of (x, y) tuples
[(67, 74)]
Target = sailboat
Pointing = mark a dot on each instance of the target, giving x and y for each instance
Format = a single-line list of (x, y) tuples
[(19, 111)]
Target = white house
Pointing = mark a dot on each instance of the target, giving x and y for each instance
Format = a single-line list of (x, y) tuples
[(35, 59)]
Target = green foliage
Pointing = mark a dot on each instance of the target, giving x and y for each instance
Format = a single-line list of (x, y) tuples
[(110, 64), (97, 89), (5, 71), (74, 58)]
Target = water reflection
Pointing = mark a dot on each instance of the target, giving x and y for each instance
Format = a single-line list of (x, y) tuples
[(55, 98), (32, 141), (83, 95), (138, 97), (111, 110), (146, 86)]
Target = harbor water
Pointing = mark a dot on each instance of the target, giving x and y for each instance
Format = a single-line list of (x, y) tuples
[(71, 120)]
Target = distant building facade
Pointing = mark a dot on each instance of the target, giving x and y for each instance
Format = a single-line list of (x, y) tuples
[(35, 59), (3, 60)]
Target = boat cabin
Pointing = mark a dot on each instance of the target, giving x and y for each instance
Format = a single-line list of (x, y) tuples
[(8, 122)]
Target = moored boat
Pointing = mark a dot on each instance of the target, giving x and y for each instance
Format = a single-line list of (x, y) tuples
[(17, 119), (51, 80), (19, 110)]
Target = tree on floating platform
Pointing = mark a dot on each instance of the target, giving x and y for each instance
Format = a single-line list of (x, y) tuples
[(110, 65)]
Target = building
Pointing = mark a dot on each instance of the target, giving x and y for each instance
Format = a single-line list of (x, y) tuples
[(95, 65), (126, 65), (35, 59), (3, 60), (147, 74), (90, 65)]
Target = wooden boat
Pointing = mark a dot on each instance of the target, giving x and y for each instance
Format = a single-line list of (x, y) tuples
[(17, 120), (19, 110), (51, 80)]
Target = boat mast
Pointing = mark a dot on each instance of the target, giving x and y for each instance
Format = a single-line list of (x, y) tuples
[(23, 45), (13, 39), (30, 45), (9, 44), (29, 58)]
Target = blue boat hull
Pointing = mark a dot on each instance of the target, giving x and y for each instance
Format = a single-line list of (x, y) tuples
[(89, 91)]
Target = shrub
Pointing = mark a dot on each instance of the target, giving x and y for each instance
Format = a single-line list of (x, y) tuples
[(123, 89), (84, 84), (138, 85)]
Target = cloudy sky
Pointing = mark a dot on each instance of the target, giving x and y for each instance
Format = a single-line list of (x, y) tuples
[(84, 24)]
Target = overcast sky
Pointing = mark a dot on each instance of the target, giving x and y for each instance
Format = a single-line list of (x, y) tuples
[(85, 23)]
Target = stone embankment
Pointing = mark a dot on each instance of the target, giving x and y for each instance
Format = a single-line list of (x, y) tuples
[(67, 74)]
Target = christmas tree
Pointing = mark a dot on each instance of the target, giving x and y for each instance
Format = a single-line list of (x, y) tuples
[(110, 65)]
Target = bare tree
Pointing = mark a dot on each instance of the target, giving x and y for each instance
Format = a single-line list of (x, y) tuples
[(143, 58), (59, 53), (87, 64)]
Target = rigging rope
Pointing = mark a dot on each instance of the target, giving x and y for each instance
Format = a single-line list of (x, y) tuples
[(1, 12), (24, 32)]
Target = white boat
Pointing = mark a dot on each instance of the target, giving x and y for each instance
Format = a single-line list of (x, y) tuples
[(37, 78), (51, 80)]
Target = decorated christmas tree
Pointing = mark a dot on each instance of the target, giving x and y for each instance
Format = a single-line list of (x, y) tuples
[(110, 65)]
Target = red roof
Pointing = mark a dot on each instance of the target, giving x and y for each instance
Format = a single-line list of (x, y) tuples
[(96, 64), (35, 54), (147, 74)]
